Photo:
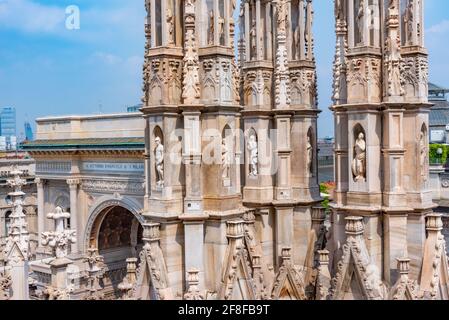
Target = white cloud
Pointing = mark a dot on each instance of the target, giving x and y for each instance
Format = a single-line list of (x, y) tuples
[(441, 27), (131, 65), (107, 58), (28, 16)]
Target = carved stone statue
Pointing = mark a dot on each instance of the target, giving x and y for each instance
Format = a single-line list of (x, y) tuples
[(159, 161), (339, 10), (296, 36), (252, 147), (361, 21), (171, 26), (225, 159), (359, 161), (309, 155), (211, 35), (423, 154), (408, 21), (221, 22), (253, 36)]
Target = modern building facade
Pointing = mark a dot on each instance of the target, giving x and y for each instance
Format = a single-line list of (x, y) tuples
[(439, 114), (8, 129), (93, 168), (29, 136)]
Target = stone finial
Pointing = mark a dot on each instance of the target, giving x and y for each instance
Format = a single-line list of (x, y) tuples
[(16, 182), (193, 281), (151, 232), (323, 257), (95, 272), (403, 266), (354, 226), (93, 259), (286, 254), (60, 239), (131, 266), (130, 279), (193, 277), (434, 222), (17, 242), (235, 229), (256, 259), (249, 217)]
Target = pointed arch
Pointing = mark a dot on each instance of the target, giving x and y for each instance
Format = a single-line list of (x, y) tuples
[(157, 133)]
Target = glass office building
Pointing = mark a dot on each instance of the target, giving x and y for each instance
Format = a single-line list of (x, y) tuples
[(28, 132), (8, 129)]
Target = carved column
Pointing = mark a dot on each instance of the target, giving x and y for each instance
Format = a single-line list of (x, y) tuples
[(16, 253), (309, 33), (259, 31), (269, 33), (40, 207), (302, 23), (73, 185), (193, 216), (163, 14), (248, 26)]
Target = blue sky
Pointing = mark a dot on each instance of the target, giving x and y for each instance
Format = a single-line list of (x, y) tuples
[(46, 69)]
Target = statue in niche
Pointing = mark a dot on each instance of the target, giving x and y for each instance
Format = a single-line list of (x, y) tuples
[(339, 10), (159, 162), (408, 21), (296, 36), (252, 147), (171, 26), (423, 153), (225, 159), (361, 21), (359, 161), (253, 36), (309, 155), (220, 22), (210, 36)]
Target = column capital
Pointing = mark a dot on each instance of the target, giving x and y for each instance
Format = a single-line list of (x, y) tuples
[(39, 181), (72, 182)]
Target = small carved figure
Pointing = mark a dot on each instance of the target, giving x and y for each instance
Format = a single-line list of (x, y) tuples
[(159, 159), (361, 21), (225, 159), (339, 9), (359, 162), (408, 21), (211, 35), (309, 155), (423, 155), (296, 36), (171, 26), (252, 147), (253, 35), (220, 22)]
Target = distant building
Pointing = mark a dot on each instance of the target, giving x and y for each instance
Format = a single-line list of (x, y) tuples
[(28, 132), (134, 108), (326, 159), (439, 114), (8, 129)]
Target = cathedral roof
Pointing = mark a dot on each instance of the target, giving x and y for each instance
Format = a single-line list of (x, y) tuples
[(83, 144)]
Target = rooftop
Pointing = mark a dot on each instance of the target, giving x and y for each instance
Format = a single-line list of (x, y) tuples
[(437, 93), (85, 144)]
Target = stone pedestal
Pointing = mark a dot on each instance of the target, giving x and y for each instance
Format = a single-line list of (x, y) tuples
[(19, 272)]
